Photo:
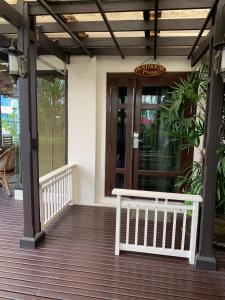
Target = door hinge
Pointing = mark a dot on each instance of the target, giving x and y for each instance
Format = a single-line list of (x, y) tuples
[(110, 90), (110, 109)]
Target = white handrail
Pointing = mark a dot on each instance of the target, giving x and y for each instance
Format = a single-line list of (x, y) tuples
[(159, 195), (56, 192), (48, 176), (156, 242)]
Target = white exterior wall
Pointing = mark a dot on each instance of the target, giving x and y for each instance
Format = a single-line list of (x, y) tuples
[(82, 125)]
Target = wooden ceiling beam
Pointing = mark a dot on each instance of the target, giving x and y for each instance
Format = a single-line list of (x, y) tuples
[(120, 26), (210, 15), (146, 16), (202, 48), (63, 25), (166, 51), (73, 7), (10, 14), (65, 43), (102, 12), (43, 41), (156, 27)]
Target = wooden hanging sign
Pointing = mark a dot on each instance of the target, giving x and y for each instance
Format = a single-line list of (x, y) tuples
[(150, 70)]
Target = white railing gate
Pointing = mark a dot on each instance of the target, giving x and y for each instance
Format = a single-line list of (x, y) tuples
[(156, 202)]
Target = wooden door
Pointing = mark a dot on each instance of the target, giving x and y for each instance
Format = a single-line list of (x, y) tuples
[(139, 153)]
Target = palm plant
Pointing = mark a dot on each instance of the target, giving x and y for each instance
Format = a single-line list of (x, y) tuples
[(183, 119), (183, 116)]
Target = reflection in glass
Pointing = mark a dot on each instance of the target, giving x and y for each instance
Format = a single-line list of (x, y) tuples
[(156, 150), (154, 95), (51, 122), (121, 138), (10, 125), (122, 95), (119, 181), (160, 184)]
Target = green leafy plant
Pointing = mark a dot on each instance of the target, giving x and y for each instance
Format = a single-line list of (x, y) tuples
[(183, 119), (183, 116)]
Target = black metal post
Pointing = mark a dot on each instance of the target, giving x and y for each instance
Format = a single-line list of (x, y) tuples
[(29, 134)]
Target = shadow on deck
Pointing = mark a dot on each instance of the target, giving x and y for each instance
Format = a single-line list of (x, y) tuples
[(77, 261)]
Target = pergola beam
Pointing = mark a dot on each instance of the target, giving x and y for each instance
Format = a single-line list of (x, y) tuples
[(203, 47), (162, 51), (72, 7), (123, 25), (102, 12), (10, 14), (156, 28), (59, 20), (45, 42), (146, 16), (65, 43), (210, 15)]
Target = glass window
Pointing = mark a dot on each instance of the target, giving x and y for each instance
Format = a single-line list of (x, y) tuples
[(51, 121), (154, 95), (121, 138), (122, 95)]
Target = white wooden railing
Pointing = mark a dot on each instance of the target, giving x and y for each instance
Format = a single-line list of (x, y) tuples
[(153, 236), (56, 192)]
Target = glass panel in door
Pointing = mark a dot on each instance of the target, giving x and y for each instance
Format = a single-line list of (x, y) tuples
[(158, 155), (157, 151)]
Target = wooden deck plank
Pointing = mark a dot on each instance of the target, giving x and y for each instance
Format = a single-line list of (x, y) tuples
[(77, 261)]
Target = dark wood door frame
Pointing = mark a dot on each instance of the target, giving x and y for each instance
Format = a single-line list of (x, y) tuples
[(131, 80)]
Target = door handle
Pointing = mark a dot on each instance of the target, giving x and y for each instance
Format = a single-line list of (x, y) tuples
[(136, 140)]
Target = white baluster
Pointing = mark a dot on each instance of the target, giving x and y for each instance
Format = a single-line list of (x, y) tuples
[(128, 226), (53, 197), (51, 200), (136, 225), (183, 230), (165, 225), (194, 227), (155, 224), (57, 194), (45, 205), (174, 229), (118, 220), (49, 204), (71, 186), (60, 193), (65, 189), (146, 227), (62, 200), (65, 184)]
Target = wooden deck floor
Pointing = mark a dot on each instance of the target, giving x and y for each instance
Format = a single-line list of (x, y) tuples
[(77, 262)]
